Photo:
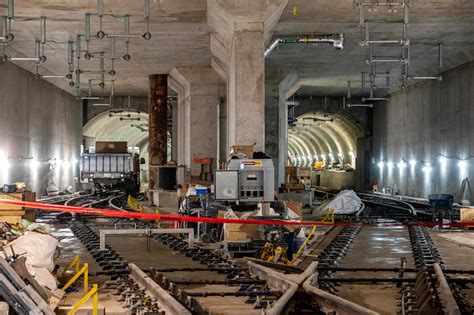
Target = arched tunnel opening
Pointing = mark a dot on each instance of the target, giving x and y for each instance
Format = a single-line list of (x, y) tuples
[(326, 142), (126, 125)]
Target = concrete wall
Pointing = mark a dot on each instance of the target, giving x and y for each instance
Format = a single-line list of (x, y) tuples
[(429, 119), (40, 122)]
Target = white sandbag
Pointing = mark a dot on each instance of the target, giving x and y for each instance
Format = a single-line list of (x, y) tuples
[(43, 277), (345, 202), (36, 247)]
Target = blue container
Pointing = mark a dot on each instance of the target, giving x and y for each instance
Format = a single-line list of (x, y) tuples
[(441, 201), (201, 191), (297, 242)]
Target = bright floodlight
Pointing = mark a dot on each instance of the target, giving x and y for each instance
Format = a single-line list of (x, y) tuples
[(426, 169), (401, 164), (34, 164)]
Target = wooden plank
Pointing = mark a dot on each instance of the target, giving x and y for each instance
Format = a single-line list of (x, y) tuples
[(11, 219), (10, 213), (12, 196)]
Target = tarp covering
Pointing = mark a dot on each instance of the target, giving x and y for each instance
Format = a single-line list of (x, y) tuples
[(345, 202)]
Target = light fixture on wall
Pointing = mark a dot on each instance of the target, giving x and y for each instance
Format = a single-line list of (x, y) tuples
[(443, 162), (401, 164), (4, 162), (426, 169), (34, 164)]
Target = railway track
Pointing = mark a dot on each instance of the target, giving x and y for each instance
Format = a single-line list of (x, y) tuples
[(365, 268)]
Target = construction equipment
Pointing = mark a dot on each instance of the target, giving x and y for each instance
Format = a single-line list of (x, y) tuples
[(246, 181)]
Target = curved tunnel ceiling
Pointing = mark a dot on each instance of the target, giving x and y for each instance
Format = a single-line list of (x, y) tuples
[(103, 127), (319, 136)]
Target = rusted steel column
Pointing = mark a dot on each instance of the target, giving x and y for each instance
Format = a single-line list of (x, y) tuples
[(157, 128)]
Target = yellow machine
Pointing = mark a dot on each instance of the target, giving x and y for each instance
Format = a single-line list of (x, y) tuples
[(273, 254)]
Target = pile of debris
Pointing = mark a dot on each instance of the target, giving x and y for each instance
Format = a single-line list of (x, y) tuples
[(27, 263)]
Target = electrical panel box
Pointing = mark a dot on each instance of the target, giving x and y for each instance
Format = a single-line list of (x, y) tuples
[(253, 178), (227, 185)]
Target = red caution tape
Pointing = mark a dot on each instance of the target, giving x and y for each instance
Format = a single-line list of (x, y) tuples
[(181, 218)]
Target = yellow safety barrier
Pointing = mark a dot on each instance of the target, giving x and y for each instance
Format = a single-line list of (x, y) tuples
[(134, 204), (74, 263), (302, 246), (84, 271), (94, 293), (328, 216)]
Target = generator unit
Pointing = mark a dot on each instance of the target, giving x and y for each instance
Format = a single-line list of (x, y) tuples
[(249, 180)]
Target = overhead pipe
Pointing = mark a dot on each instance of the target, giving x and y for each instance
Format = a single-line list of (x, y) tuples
[(126, 57), (387, 60), (123, 36), (102, 72), (70, 56), (439, 78), (112, 92), (11, 9), (23, 59), (100, 13), (440, 56), (337, 43), (403, 42), (146, 13), (43, 29), (378, 3), (373, 99), (440, 65), (53, 76), (112, 57), (360, 105), (78, 47)]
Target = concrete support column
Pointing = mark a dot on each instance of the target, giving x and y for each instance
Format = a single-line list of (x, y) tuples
[(240, 31), (246, 106), (198, 100), (174, 141), (272, 124), (286, 88), (157, 130)]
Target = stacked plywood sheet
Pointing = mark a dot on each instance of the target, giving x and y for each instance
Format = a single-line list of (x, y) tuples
[(13, 214)]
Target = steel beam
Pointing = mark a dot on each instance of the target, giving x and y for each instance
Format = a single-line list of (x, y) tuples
[(164, 299), (445, 293), (332, 303)]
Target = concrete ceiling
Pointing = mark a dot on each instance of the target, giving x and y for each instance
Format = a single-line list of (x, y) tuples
[(180, 37), (431, 22)]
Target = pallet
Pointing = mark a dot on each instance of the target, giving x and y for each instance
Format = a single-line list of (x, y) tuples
[(294, 187)]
